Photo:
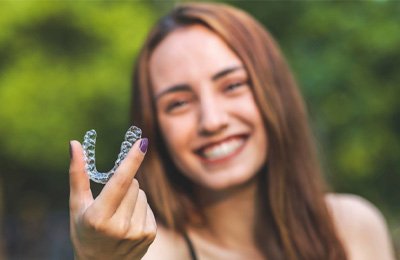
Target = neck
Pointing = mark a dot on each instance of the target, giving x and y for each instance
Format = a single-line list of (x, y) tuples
[(231, 215)]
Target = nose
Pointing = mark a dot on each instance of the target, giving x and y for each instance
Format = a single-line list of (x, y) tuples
[(213, 116)]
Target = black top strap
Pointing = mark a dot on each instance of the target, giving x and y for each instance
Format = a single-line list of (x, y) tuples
[(190, 246)]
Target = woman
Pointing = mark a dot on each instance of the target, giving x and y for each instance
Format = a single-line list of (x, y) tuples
[(232, 171)]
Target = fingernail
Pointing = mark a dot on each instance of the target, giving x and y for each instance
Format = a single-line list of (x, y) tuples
[(70, 150), (143, 145)]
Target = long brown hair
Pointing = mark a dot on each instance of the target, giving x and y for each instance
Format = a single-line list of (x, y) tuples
[(291, 188)]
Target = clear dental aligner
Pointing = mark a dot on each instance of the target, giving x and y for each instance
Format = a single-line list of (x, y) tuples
[(89, 142)]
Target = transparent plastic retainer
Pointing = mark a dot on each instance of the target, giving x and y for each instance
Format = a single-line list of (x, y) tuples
[(89, 142)]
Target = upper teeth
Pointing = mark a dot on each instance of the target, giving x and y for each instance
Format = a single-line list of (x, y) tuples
[(222, 149)]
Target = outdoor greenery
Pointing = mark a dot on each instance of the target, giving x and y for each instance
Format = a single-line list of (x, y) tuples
[(66, 67)]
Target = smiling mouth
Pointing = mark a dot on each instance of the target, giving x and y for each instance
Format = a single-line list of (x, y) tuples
[(222, 150)]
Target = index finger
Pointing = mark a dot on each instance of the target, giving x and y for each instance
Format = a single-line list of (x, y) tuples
[(114, 191)]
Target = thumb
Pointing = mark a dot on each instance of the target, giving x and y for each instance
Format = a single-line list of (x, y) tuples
[(80, 193)]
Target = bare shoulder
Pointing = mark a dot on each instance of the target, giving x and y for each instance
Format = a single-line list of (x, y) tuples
[(167, 245), (349, 207), (361, 227)]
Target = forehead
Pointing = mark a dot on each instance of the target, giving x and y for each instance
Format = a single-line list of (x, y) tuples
[(190, 53)]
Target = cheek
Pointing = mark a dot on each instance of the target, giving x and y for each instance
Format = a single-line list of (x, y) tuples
[(251, 112), (246, 108), (251, 106)]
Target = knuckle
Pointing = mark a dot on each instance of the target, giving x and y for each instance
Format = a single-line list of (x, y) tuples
[(73, 205), (138, 158), (141, 235), (150, 236), (116, 232), (93, 222), (115, 229), (72, 170), (121, 228), (135, 236), (121, 183)]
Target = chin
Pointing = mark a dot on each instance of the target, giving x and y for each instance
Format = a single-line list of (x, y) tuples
[(231, 181)]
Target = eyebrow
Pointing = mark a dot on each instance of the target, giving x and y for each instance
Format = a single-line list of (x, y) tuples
[(225, 72), (185, 87)]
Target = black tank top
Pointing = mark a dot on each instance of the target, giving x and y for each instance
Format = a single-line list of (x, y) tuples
[(190, 246)]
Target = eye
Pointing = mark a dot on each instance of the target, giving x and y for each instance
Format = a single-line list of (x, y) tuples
[(177, 104), (233, 86)]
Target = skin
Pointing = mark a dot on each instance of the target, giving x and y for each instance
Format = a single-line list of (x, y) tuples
[(205, 111), (203, 99), (119, 223)]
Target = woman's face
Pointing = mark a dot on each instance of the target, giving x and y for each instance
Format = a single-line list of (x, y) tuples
[(206, 110)]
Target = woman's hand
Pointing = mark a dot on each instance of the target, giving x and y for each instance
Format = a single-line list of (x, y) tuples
[(119, 223)]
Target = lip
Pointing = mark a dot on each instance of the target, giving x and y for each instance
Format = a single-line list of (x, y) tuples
[(198, 151)]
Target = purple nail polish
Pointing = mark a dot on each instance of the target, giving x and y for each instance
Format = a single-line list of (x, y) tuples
[(143, 145)]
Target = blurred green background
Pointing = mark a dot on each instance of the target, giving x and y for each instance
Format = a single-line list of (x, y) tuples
[(66, 66)]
